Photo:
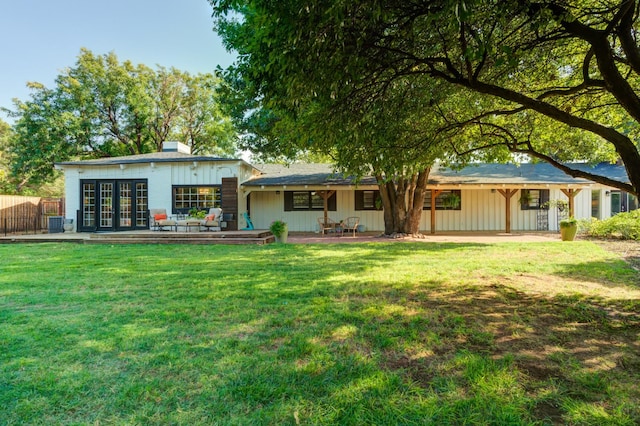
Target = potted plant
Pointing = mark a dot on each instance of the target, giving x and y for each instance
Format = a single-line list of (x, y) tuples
[(568, 229), (561, 205), (196, 213), (68, 225), (279, 230), (525, 198), (451, 200)]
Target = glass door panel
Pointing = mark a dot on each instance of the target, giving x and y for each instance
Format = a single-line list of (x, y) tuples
[(106, 205), (124, 204), (616, 205), (142, 204), (595, 203), (89, 205), (114, 205)]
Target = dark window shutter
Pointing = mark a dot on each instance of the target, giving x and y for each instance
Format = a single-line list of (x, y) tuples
[(332, 203), (544, 196), (288, 201), (359, 197), (524, 195)]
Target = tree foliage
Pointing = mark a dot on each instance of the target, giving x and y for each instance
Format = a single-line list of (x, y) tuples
[(394, 136), (555, 80), (102, 107), (5, 132)]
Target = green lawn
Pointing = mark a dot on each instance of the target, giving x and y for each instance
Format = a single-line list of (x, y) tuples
[(354, 334)]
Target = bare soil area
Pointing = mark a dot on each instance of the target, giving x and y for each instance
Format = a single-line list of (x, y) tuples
[(628, 250)]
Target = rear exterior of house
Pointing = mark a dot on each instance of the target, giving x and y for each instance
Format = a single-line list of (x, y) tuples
[(539, 197), (116, 194)]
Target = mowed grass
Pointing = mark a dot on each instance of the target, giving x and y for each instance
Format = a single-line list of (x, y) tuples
[(384, 334)]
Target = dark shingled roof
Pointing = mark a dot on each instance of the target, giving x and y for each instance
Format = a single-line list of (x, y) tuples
[(474, 174), (527, 173), (156, 157), (301, 174)]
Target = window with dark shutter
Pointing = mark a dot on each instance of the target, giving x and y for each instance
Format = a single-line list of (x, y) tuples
[(288, 201), (306, 201), (534, 199), (367, 200), (446, 200)]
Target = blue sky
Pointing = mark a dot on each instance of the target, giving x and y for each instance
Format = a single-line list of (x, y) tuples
[(39, 38)]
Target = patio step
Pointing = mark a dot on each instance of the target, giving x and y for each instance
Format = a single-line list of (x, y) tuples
[(177, 240), (160, 237), (149, 237)]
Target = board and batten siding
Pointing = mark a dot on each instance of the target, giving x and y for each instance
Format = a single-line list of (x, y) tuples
[(160, 178), (481, 210), (71, 193)]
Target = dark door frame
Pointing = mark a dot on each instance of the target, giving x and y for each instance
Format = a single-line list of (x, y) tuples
[(94, 210)]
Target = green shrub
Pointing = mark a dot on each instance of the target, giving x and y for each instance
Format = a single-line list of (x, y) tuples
[(278, 227), (624, 226), (197, 213)]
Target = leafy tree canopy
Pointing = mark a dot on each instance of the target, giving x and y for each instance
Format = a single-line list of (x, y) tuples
[(102, 107), (5, 131), (555, 80), (393, 136)]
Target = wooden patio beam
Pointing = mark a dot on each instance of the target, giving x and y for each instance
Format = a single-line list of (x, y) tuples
[(434, 195), (507, 194), (571, 194), (325, 197)]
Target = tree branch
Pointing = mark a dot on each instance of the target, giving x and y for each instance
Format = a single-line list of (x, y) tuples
[(626, 33), (576, 173)]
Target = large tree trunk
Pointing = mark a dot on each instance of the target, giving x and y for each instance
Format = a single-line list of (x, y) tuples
[(402, 202)]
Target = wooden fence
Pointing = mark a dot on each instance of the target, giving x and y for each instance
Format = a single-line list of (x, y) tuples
[(28, 214)]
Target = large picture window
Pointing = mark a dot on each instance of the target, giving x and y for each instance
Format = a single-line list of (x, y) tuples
[(534, 199), (306, 201), (445, 200), (200, 197)]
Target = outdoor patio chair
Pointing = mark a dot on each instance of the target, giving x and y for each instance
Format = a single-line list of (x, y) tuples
[(326, 226), (350, 224), (211, 221), (158, 220)]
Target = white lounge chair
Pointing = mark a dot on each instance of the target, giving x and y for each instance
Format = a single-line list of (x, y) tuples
[(211, 221), (158, 220)]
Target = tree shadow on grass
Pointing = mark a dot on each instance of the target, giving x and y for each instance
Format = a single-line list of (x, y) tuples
[(271, 335), (611, 273), (565, 348), (341, 355)]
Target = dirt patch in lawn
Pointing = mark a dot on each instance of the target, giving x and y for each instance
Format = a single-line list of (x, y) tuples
[(627, 249)]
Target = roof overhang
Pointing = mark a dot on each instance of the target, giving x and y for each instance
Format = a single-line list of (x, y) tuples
[(247, 188)]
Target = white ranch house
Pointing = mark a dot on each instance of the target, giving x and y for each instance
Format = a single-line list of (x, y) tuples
[(116, 194)]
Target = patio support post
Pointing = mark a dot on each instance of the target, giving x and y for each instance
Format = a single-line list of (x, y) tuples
[(434, 195), (507, 194), (571, 194), (325, 197)]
